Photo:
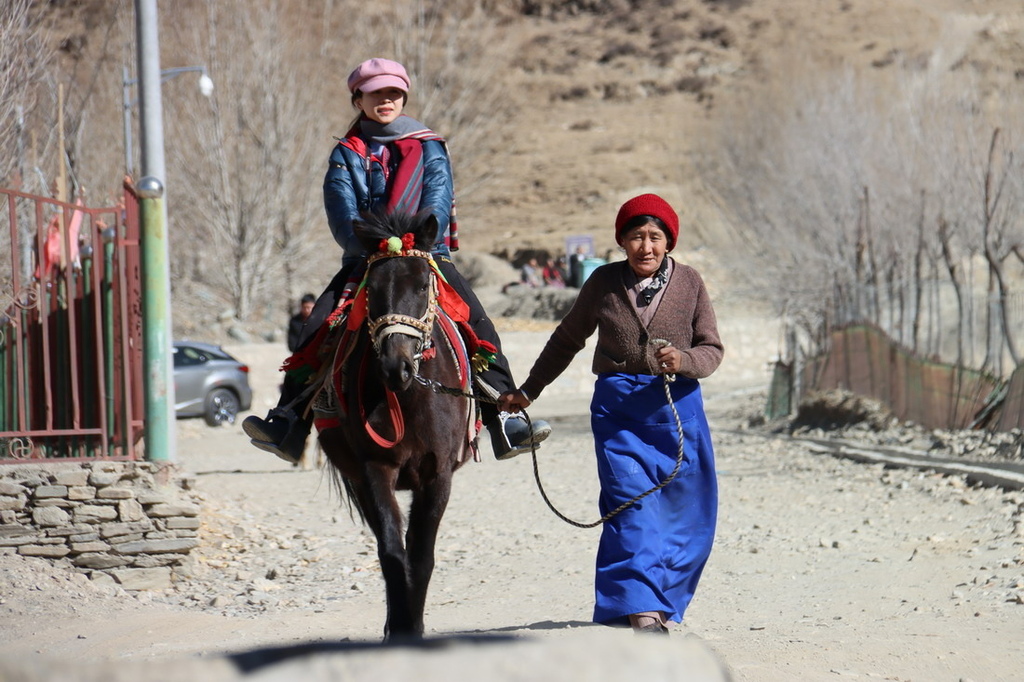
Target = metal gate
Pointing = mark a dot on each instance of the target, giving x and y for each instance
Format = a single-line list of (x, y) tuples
[(70, 330)]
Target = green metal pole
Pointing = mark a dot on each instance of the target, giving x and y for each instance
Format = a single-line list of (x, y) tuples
[(6, 377), (108, 332), (156, 322)]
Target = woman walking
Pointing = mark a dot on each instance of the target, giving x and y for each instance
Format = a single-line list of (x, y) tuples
[(655, 323)]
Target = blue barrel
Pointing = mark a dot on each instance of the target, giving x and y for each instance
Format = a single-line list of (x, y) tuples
[(591, 264)]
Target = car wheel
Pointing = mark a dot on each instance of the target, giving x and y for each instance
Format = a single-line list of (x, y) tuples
[(221, 407)]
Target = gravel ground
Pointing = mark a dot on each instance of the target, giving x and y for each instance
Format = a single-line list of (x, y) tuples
[(822, 568)]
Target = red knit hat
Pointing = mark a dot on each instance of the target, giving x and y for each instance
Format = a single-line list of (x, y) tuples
[(652, 205)]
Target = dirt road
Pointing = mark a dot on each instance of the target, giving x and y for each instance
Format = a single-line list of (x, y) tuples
[(823, 568)]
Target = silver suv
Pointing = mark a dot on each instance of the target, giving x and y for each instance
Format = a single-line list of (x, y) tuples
[(209, 383)]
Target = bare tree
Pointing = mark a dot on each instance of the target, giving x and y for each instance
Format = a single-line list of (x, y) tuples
[(954, 268), (835, 180), (24, 60), (24, 80), (246, 159), (1001, 234), (250, 160)]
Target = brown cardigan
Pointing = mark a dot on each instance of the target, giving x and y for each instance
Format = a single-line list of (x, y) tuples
[(684, 317)]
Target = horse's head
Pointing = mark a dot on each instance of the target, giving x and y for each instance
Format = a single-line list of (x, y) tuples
[(401, 290)]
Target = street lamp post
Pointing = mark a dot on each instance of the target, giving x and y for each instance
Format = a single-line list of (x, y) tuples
[(205, 87), (156, 281)]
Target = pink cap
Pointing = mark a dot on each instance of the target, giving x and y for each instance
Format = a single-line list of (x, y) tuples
[(377, 74)]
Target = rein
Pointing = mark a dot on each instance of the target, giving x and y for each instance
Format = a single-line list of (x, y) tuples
[(437, 387)]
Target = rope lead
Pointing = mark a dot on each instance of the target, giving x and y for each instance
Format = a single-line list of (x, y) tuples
[(669, 378), (437, 387)]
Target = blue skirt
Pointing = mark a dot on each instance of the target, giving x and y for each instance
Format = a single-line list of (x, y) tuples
[(652, 554)]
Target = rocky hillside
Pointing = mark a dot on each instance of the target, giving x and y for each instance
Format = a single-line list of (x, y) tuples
[(610, 98)]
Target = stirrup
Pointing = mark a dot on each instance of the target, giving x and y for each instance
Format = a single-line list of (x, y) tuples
[(537, 432)]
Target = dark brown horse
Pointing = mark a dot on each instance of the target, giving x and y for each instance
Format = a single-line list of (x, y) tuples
[(395, 433)]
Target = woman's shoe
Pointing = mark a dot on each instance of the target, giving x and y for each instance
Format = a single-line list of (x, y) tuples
[(648, 622), (653, 628)]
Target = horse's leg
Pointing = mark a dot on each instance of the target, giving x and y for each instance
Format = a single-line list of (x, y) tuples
[(428, 505), (380, 507)]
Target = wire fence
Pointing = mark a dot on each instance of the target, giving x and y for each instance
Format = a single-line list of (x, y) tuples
[(862, 359)]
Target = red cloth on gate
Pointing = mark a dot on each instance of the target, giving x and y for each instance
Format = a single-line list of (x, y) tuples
[(55, 242)]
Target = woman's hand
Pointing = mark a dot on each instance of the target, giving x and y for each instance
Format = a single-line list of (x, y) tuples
[(669, 359), (513, 401)]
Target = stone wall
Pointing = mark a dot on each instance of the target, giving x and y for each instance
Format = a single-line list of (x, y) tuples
[(130, 523)]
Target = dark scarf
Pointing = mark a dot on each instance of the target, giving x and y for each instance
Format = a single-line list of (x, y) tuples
[(402, 127), (647, 294)]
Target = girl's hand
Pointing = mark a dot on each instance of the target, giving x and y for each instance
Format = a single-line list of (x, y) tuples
[(513, 401)]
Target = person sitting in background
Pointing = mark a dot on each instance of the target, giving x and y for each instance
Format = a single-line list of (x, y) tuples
[(553, 275), (530, 275)]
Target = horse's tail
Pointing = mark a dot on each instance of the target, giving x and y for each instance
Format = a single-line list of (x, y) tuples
[(346, 493)]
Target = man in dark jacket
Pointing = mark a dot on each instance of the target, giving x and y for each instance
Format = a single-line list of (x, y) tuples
[(298, 320)]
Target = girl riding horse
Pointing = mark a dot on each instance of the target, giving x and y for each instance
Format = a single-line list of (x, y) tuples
[(391, 162), (392, 430)]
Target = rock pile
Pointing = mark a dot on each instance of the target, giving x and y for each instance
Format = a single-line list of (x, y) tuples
[(843, 416), (116, 522)]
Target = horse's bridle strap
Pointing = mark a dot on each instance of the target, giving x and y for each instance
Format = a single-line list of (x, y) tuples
[(374, 257), (396, 323)]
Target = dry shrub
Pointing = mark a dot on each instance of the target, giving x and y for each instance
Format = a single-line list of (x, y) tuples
[(618, 50), (727, 4), (693, 84), (669, 34), (561, 8), (575, 92), (838, 409), (717, 34)]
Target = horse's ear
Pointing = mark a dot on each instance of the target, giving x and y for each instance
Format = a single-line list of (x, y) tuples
[(426, 233)]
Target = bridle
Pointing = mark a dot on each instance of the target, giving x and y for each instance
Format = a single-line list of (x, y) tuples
[(419, 328)]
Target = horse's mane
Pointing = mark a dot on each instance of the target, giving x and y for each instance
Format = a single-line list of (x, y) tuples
[(376, 225)]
